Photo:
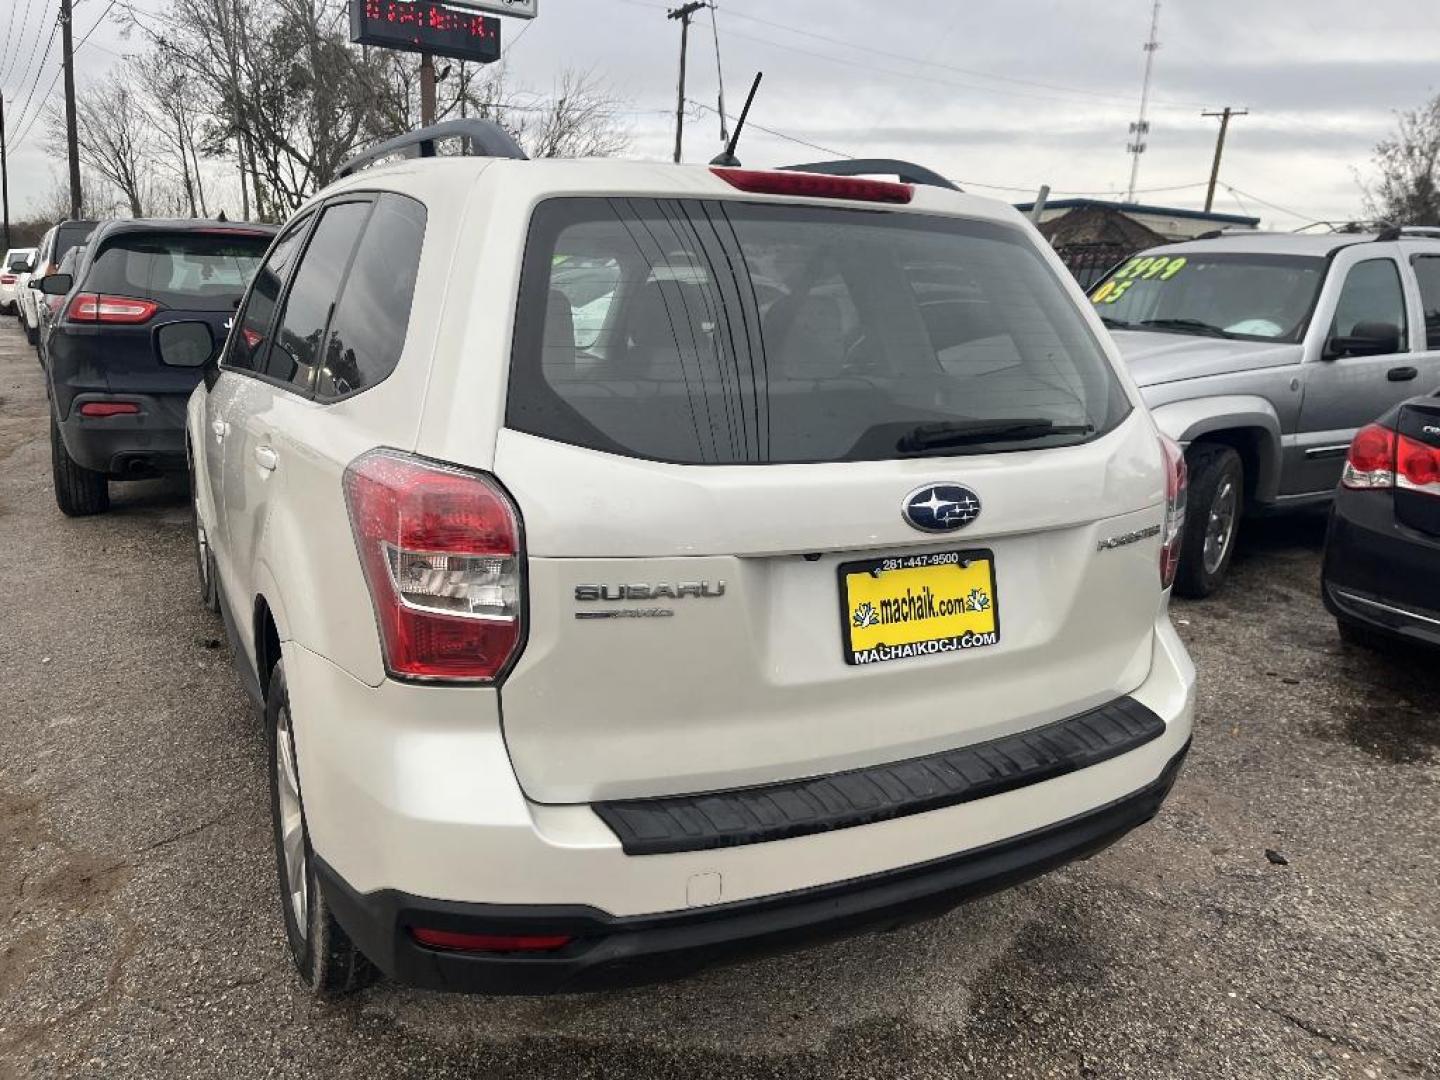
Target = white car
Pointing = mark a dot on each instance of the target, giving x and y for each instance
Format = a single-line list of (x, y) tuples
[(752, 616), (14, 274)]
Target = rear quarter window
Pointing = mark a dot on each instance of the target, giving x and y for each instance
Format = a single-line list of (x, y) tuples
[(732, 332), (178, 270)]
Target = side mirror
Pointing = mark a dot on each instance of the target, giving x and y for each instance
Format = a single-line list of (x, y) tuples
[(1365, 339), (56, 284), (185, 344)]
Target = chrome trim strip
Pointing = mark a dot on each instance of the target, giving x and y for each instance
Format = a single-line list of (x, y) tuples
[(1355, 598), (1316, 452)]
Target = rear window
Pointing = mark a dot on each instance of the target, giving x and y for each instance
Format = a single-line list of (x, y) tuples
[(727, 332), (179, 270), (69, 236)]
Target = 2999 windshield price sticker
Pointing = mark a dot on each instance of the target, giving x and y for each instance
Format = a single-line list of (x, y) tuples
[(918, 605)]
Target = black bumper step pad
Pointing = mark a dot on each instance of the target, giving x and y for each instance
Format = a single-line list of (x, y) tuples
[(754, 815)]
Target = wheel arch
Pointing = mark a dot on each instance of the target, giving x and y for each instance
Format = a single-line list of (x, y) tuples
[(1247, 424)]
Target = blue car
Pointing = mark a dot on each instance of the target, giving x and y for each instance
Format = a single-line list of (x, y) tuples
[(146, 306)]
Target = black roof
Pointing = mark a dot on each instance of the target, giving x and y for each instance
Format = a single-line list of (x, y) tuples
[(197, 225)]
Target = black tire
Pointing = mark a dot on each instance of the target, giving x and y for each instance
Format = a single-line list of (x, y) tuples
[(32, 334), (204, 557), (323, 954), (1214, 470), (79, 492)]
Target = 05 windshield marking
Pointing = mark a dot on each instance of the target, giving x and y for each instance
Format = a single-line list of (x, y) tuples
[(1230, 295)]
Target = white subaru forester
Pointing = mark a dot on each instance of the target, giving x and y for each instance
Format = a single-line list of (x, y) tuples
[(640, 564)]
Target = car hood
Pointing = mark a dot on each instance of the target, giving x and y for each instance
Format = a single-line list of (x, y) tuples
[(1155, 358)]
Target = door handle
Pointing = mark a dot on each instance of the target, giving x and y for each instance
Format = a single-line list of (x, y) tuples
[(266, 458), (219, 427), (1401, 374)]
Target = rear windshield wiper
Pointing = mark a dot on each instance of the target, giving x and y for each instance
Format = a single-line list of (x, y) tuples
[(1115, 324), (948, 433), (1189, 326)]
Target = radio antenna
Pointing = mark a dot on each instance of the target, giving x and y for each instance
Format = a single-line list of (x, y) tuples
[(728, 158)]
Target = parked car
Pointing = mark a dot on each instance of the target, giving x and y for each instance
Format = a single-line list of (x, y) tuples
[(1381, 574), (584, 663), (135, 321), (1263, 354), (48, 309), (13, 271), (53, 246)]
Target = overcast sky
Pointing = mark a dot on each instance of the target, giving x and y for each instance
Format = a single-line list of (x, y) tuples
[(1000, 95)]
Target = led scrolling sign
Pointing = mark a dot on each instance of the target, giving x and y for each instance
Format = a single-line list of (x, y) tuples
[(425, 26)]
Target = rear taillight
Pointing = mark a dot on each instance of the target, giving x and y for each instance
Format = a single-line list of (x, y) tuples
[(1172, 532), (441, 551), (97, 307), (453, 941), (1382, 458), (815, 185), (1370, 461), (8, 279)]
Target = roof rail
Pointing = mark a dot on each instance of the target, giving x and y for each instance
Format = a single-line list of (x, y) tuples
[(907, 171), (483, 138), (1429, 231)]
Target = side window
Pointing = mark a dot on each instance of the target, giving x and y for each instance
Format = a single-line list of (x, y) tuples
[(1372, 294), (1427, 273), (367, 331), (295, 351), (247, 343)]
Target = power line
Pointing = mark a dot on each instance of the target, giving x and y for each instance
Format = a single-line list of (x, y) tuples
[(19, 37), (40, 71), (974, 72)]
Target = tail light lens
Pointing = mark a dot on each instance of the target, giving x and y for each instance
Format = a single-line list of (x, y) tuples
[(1382, 458), (440, 547), (8, 279), (109, 408), (97, 307), (1173, 531)]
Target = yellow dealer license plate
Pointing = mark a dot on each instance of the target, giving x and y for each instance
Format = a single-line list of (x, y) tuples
[(918, 605)]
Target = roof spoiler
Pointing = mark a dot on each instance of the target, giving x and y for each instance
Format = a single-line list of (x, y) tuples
[(907, 171), (480, 138)]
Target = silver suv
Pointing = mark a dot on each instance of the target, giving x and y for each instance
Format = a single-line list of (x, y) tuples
[(1262, 354)]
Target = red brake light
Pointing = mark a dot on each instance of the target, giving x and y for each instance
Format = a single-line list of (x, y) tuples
[(1173, 530), (457, 942), (97, 307), (8, 279), (816, 185), (440, 547), (1370, 462), (1417, 466), (109, 408)]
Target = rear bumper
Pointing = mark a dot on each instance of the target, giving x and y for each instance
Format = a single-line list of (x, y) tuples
[(1379, 572), (609, 951), (413, 807), (147, 443)]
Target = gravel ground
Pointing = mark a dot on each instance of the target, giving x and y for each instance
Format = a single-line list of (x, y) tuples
[(140, 933)]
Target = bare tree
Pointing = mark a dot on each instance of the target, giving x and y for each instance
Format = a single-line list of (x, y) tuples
[(112, 135), (1407, 187), (173, 112), (580, 118)]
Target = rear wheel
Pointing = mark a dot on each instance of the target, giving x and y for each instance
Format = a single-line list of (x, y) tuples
[(322, 952), (79, 492), (32, 335), (1214, 503), (204, 557)]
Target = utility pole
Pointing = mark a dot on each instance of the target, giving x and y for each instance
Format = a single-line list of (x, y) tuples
[(427, 90), (67, 54), (1224, 114), (4, 176), (1141, 127), (719, 72), (682, 13)]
